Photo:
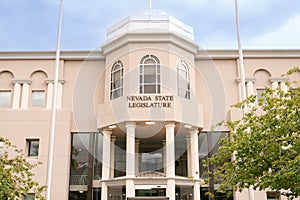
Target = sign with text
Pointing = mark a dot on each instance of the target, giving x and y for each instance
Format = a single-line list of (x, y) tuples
[(150, 101)]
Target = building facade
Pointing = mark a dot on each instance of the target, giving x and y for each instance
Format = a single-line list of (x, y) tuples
[(134, 116)]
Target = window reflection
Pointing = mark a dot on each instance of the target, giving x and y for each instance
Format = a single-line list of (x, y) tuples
[(120, 157), (149, 75), (181, 168), (151, 156), (208, 145)]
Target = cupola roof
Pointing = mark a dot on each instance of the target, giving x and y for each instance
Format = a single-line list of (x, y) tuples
[(150, 20)]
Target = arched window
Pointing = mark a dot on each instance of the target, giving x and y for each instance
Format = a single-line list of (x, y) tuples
[(183, 80), (116, 81), (149, 75)]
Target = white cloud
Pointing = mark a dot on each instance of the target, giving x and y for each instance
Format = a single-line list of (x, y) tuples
[(285, 36)]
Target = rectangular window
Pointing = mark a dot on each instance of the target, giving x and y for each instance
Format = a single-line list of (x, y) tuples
[(29, 197), (38, 98), (259, 93), (33, 147), (5, 98), (272, 195)]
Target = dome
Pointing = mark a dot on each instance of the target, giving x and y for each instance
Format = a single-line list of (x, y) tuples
[(150, 20)]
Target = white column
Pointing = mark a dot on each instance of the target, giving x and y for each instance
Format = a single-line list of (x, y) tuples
[(188, 146), (105, 161), (195, 162), (130, 154), (170, 159), (104, 191), (25, 96), (240, 95), (283, 86), (130, 190), (137, 154), (164, 156), (49, 95), (194, 153), (59, 95), (130, 149), (17, 96), (112, 157), (274, 85), (250, 90)]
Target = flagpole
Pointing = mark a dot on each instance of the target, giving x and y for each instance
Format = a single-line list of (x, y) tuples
[(53, 109), (241, 59), (242, 76)]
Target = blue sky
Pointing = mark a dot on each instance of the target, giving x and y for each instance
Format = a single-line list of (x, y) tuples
[(32, 24)]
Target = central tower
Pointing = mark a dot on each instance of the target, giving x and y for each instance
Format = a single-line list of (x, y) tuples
[(148, 113)]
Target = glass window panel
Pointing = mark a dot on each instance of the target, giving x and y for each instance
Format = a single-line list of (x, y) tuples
[(259, 93), (149, 89), (151, 156), (158, 89), (150, 70), (141, 69), (98, 146), (79, 159), (187, 95), (273, 195), (149, 79), (5, 98), (117, 93), (181, 92), (181, 156), (182, 74), (141, 89), (116, 76), (149, 61), (116, 67), (183, 84), (78, 195), (33, 147), (141, 79), (120, 157), (29, 197), (151, 161), (116, 80), (117, 84), (38, 98), (96, 193)]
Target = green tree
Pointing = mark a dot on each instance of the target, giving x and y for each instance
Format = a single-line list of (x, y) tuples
[(262, 149), (16, 178)]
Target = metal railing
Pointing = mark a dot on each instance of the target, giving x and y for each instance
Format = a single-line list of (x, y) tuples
[(78, 179)]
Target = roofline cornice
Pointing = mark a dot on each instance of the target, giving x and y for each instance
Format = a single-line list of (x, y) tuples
[(50, 55), (152, 37), (203, 54)]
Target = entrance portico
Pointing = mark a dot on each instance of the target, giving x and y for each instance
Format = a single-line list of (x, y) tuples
[(151, 162)]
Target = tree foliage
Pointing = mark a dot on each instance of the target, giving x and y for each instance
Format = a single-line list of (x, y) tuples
[(262, 149), (16, 178)]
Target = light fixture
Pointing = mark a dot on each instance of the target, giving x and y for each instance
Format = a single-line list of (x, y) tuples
[(187, 126), (150, 123), (80, 191), (112, 126)]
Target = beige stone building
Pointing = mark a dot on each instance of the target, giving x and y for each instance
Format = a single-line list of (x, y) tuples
[(134, 116)]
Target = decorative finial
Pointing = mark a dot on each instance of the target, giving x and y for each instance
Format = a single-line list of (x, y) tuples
[(150, 4)]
